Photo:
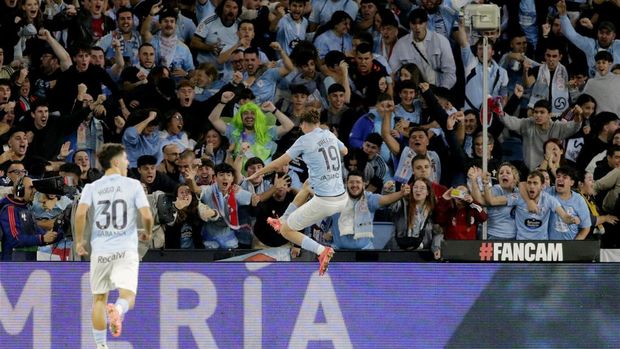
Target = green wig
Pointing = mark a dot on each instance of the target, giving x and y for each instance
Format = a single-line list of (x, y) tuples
[(262, 123)]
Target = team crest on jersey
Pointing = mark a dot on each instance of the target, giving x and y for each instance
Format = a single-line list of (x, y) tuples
[(533, 223)]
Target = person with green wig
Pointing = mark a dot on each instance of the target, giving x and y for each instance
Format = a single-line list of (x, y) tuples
[(251, 130)]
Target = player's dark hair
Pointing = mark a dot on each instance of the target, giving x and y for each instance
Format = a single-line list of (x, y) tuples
[(310, 117), (108, 152)]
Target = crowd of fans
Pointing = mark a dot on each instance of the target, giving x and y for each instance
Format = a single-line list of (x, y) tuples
[(204, 93)]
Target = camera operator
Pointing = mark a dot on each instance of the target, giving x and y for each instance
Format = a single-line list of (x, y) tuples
[(52, 207), (53, 211), (20, 231)]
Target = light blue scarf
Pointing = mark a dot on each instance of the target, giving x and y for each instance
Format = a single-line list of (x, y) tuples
[(356, 219)]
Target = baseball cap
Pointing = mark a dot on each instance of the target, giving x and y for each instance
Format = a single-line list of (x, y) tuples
[(607, 26)]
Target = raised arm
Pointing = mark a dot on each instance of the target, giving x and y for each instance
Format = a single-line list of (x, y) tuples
[(583, 43), (224, 56), (237, 165), (142, 125), (275, 17), (437, 112), (344, 71), (385, 110), (145, 28), (287, 64), (474, 189), (119, 60), (528, 80), (285, 122), (489, 198), (63, 56), (216, 113), (461, 36)]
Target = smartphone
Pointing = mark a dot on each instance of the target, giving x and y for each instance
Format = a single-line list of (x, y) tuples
[(455, 193)]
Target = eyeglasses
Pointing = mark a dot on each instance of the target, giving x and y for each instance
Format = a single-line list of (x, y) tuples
[(173, 154), (24, 172), (177, 116)]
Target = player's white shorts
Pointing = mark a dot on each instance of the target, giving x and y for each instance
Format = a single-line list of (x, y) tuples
[(112, 270), (315, 210)]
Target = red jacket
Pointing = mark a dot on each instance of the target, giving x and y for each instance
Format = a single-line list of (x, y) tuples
[(462, 223)]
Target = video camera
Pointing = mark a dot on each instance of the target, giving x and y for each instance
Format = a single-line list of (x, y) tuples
[(58, 185)]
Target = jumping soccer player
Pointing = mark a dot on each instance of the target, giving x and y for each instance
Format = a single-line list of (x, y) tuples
[(321, 151), (115, 201)]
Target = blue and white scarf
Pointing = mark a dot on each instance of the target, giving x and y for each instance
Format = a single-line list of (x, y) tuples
[(356, 219)]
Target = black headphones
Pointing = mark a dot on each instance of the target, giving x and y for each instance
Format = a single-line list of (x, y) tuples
[(20, 189)]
